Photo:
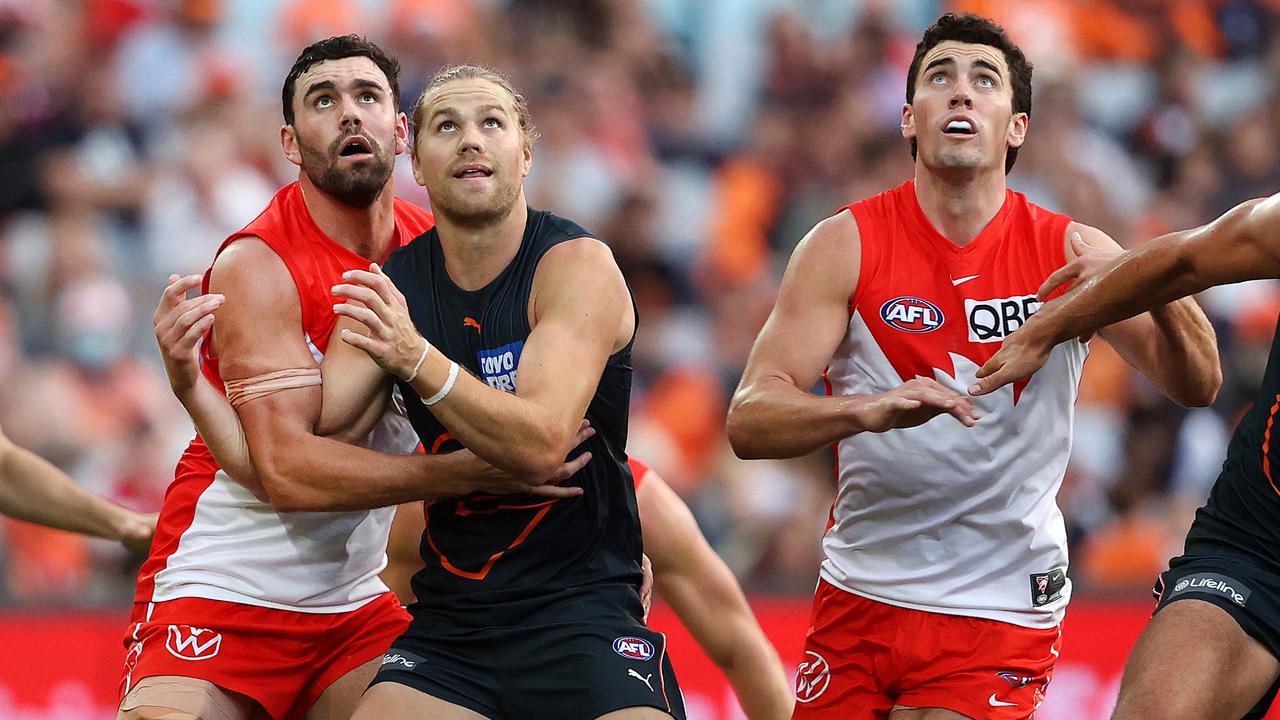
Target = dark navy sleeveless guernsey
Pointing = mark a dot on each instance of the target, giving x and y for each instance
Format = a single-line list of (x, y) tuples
[(1242, 515), (484, 549)]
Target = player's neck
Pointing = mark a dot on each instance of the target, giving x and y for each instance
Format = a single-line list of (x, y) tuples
[(368, 232), (960, 207), (475, 255)]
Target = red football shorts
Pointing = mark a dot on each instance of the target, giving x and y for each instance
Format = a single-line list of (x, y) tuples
[(863, 658), (281, 659)]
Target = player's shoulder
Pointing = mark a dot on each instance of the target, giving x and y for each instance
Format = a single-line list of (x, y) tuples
[(248, 260), (551, 228)]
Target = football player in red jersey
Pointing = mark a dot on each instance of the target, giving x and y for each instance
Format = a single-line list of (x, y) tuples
[(944, 578)]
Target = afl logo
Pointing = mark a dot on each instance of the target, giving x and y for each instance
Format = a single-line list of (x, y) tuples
[(633, 648), (812, 677), (912, 314)]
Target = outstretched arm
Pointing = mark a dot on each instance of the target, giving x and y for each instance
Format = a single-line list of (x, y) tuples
[(702, 590), (773, 414), (34, 490), (1173, 345), (1243, 244)]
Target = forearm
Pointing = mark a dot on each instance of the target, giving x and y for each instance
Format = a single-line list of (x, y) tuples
[(755, 672), (310, 473), (1155, 274), (36, 491), (1188, 369), (219, 426), (774, 419), (485, 420)]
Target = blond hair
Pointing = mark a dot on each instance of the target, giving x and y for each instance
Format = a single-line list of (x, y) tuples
[(475, 72)]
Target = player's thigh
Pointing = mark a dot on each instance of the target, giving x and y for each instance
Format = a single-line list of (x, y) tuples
[(636, 713), (173, 697), (393, 701), (906, 713), (1194, 662), (339, 700)]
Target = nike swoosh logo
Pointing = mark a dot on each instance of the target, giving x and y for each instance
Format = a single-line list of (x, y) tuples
[(963, 280), (999, 703)]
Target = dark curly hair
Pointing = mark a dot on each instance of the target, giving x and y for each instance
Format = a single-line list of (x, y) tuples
[(336, 48)]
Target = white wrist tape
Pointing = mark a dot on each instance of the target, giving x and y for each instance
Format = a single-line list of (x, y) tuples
[(444, 389)]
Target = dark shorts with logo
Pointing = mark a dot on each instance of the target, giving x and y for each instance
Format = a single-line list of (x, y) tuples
[(577, 656), (1249, 594)]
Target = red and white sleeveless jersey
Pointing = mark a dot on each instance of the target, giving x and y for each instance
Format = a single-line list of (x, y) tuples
[(941, 517), (215, 540)]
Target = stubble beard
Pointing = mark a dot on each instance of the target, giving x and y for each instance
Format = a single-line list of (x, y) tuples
[(472, 214), (356, 186)]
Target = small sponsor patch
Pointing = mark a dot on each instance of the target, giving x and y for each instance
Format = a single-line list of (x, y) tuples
[(912, 314), (1213, 584), (1047, 587), (192, 643), (993, 320), (1015, 679), (812, 677), (401, 660), (633, 648), (498, 365)]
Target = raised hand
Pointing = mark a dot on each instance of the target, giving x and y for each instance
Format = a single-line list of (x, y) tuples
[(912, 403), (179, 323), (393, 342), (1089, 262), (1022, 353)]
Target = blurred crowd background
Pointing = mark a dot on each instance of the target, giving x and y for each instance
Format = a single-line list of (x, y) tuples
[(702, 138)]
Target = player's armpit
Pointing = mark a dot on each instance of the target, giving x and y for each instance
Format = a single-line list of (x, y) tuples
[(773, 414)]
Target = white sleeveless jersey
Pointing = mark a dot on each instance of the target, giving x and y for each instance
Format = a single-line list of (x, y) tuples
[(941, 517)]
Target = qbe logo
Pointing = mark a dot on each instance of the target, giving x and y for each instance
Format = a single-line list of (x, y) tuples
[(994, 320), (912, 314), (633, 648), (812, 677), (190, 643)]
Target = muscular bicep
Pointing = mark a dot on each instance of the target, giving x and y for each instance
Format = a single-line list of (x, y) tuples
[(1242, 245), (581, 314), (811, 314), (259, 330)]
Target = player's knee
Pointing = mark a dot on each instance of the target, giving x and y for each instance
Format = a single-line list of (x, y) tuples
[(156, 712)]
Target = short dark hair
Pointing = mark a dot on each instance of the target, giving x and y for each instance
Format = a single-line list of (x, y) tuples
[(977, 30), (336, 48)]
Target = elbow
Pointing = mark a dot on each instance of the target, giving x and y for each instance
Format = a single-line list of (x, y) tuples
[(285, 493), (1204, 392), (743, 438)]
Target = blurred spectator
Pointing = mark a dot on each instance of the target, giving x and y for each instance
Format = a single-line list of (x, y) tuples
[(702, 139)]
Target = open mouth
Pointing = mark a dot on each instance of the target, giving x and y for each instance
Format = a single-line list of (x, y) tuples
[(467, 172), (959, 126), (355, 145)]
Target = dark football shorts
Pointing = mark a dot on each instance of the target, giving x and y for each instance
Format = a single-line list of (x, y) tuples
[(1249, 594), (576, 656)]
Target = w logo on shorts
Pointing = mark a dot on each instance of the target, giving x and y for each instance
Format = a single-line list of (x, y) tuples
[(188, 643), (812, 677)]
